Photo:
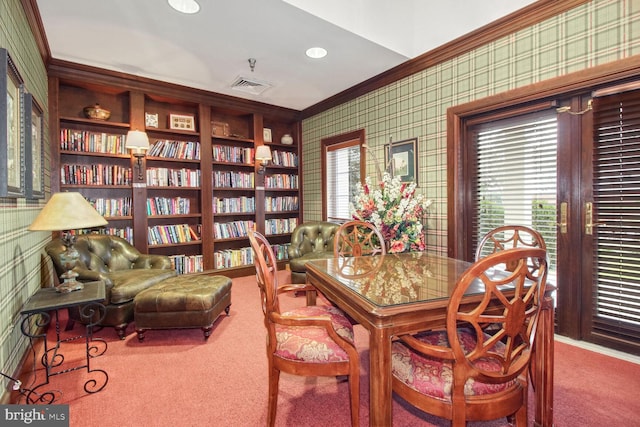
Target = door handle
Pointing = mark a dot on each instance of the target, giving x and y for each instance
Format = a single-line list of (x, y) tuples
[(588, 219), (564, 207)]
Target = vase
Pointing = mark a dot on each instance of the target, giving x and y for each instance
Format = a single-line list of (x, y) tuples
[(286, 139)]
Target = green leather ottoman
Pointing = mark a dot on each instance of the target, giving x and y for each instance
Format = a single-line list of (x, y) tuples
[(188, 301)]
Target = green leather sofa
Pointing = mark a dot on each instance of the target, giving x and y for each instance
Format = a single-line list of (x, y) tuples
[(310, 240), (124, 270)]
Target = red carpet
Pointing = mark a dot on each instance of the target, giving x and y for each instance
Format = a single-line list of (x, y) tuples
[(175, 378)]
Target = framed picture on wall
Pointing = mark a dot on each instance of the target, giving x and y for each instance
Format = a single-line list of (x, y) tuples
[(12, 165), (33, 148), (182, 122), (401, 159)]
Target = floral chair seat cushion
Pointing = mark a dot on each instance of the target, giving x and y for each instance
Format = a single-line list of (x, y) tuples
[(311, 344), (432, 376)]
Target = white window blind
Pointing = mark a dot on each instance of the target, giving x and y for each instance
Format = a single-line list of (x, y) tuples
[(343, 172), (516, 176)]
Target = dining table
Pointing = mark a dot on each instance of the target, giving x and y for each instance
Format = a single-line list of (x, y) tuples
[(402, 293)]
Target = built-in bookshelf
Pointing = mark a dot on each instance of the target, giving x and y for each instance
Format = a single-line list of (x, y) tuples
[(196, 192)]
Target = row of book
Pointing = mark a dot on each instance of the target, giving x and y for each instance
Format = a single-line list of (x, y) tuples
[(280, 225), (124, 232), (230, 154), (233, 229), (112, 207), (232, 258), (168, 206), (165, 177), (234, 205), (185, 264), (284, 158), (95, 174), (171, 234), (186, 150), (92, 142), (230, 179), (281, 251), (281, 180), (280, 203)]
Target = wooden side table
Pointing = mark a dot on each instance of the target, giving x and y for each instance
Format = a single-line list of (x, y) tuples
[(35, 324)]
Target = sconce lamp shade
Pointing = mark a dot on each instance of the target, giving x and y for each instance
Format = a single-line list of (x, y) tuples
[(263, 153), (137, 141), (67, 211)]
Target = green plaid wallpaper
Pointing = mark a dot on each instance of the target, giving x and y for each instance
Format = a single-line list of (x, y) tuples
[(596, 33), (19, 248)]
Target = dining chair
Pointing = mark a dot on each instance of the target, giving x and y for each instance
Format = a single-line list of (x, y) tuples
[(313, 340), (358, 238), (461, 373), (509, 236)]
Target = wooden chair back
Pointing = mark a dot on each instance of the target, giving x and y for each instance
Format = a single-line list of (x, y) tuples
[(509, 237), (358, 238)]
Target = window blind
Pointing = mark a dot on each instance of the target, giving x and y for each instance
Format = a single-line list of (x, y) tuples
[(616, 197), (515, 180), (343, 172)]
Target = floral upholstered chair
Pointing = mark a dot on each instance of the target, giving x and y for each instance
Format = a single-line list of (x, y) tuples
[(308, 341), (462, 373)]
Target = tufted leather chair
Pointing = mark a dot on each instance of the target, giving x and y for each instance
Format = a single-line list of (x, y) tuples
[(310, 240), (124, 270)]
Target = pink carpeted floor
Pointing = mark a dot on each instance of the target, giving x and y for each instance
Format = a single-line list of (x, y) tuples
[(175, 378)]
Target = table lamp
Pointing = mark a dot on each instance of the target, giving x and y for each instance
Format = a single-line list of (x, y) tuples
[(263, 155), (65, 212)]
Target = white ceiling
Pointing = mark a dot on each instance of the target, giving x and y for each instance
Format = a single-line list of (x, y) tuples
[(210, 49)]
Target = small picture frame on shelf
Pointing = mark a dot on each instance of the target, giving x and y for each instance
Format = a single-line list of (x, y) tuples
[(182, 122), (266, 135), (151, 120), (219, 129)]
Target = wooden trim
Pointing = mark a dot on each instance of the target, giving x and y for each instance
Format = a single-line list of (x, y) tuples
[(93, 76), (32, 13), (523, 18)]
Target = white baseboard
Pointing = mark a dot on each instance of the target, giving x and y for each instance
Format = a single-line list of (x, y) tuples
[(599, 349)]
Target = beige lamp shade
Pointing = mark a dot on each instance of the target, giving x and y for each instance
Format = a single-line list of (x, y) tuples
[(263, 153), (137, 141), (67, 211)]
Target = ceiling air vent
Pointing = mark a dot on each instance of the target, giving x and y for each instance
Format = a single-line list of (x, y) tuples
[(252, 86)]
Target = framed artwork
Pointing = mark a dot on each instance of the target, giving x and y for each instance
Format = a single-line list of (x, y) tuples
[(33, 148), (12, 165), (182, 122), (151, 120), (401, 159), (266, 135)]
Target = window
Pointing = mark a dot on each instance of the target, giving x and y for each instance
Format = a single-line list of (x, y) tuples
[(342, 171), (516, 176)]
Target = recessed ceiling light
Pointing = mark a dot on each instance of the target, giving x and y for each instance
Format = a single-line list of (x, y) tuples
[(316, 52), (185, 6)]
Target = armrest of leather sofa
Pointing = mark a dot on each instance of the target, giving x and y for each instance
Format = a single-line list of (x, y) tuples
[(152, 261)]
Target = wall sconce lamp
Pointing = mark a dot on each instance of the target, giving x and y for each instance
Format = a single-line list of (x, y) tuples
[(263, 155), (138, 143)]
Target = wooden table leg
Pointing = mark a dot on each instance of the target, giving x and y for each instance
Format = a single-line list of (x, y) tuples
[(544, 366), (380, 404)]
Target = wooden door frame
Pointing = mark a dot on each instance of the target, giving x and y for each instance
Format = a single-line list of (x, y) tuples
[(560, 90)]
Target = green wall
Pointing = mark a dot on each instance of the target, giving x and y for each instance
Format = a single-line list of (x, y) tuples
[(593, 34), (19, 248)]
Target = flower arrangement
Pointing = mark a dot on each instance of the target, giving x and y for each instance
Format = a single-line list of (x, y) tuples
[(395, 209)]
